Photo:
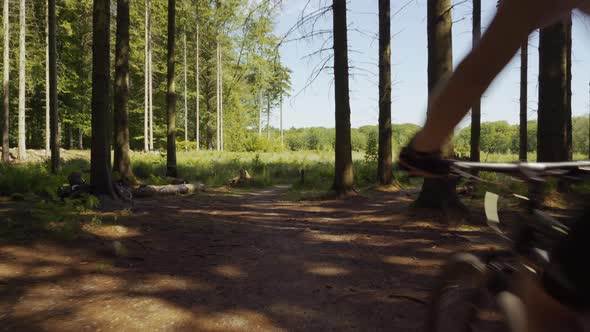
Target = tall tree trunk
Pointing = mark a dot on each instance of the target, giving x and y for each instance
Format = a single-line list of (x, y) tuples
[(218, 99), (150, 76), (282, 133), (122, 163), (53, 112), (100, 154), (69, 138), (198, 97), (570, 143), (552, 115), (171, 169), (260, 107), (146, 138), (47, 129), (268, 109), (524, 68), (80, 139), (185, 93), (440, 194), (221, 136), (476, 109), (22, 60), (6, 85), (343, 176), (385, 162)]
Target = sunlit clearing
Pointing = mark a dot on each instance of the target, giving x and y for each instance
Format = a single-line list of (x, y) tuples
[(411, 261)]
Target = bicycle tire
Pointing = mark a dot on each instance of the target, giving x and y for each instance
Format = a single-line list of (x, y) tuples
[(464, 280)]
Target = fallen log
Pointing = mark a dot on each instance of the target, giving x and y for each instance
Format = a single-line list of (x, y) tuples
[(171, 189)]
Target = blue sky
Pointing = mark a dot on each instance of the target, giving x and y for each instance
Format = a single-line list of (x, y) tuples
[(314, 106)]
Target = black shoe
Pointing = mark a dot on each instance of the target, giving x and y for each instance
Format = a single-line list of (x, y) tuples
[(425, 164)]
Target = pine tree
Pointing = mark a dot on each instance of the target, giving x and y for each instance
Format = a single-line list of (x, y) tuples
[(6, 84), (22, 135), (385, 160), (476, 109), (53, 112), (343, 176), (171, 169)]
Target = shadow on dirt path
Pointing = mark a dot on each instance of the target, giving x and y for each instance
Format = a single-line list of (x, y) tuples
[(254, 262)]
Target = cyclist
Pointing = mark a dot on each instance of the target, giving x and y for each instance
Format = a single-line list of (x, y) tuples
[(514, 21)]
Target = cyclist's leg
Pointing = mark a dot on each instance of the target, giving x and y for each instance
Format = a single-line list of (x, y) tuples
[(512, 24)]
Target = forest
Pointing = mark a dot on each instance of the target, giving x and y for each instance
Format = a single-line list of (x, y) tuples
[(146, 184)]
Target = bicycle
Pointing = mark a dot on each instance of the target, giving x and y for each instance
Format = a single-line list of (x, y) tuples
[(485, 293)]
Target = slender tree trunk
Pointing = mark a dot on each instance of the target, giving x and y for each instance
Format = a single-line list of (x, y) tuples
[(47, 129), (122, 159), (268, 109), (185, 93), (69, 138), (22, 136), (524, 68), (53, 112), (146, 141), (218, 95), (198, 98), (6, 85), (260, 107), (343, 176), (570, 143), (552, 115), (100, 155), (221, 136), (171, 169), (150, 76), (476, 109), (385, 162), (282, 133), (80, 139), (439, 194)]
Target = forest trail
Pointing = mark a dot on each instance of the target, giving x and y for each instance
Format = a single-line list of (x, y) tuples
[(235, 262)]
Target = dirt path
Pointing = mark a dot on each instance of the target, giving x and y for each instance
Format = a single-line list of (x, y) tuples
[(234, 263)]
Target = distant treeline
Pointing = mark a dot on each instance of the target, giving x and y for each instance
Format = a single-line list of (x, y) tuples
[(496, 137)]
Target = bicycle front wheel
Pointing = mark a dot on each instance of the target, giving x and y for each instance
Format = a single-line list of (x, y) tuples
[(460, 302)]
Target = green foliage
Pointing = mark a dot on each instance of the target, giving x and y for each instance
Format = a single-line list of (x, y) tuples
[(371, 151)]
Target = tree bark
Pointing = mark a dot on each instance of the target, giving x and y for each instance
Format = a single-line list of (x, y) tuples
[(221, 136), (69, 138), (6, 85), (185, 93), (100, 156), (385, 160), (22, 135), (218, 96), (343, 176), (47, 93), (53, 111), (281, 129), (150, 77), (122, 163), (268, 109), (146, 138), (198, 97), (476, 109), (570, 147), (80, 139), (552, 115), (523, 130), (440, 194), (171, 169)]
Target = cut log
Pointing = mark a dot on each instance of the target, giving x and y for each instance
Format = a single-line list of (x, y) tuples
[(243, 178), (172, 189)]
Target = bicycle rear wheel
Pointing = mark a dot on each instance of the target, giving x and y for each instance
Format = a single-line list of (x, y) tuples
[(461, 302)]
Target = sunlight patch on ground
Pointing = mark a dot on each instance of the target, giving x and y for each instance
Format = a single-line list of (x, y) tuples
[(326, 270), (160, 283), (411, 261), (330, 237), (35, 254), (235, 320), (229, 271)]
